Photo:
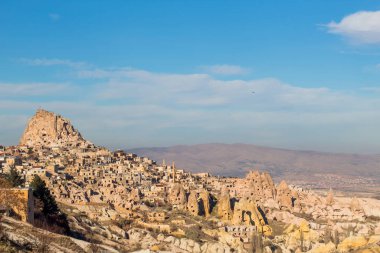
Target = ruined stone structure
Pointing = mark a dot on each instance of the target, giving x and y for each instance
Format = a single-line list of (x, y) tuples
[(18, 200), (246, 212), (261, 185), (51, 130), (192, 204), (177, 197)]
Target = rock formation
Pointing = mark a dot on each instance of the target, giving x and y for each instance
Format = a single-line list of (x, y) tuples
[(330, 198), (204, 197), (287, 199), (177, 196), (246, 212), (262, 185), (224, 205), (130, 202), (192, 204), (50, 130)]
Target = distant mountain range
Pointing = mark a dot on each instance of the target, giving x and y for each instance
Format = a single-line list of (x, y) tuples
[(296, 166)]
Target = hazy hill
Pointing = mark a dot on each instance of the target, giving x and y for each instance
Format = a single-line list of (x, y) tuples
[(296, 166)]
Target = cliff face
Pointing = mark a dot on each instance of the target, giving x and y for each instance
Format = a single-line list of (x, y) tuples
[(51, 130)]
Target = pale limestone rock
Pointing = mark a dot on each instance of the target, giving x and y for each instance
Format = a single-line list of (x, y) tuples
[(119, 231), (262, 185), (177, 243), (204, 197), (377, 229), (169, 239), (224, 205), (374, 239), (352, 243), (330, 198), (196, 248), (50, 130), (246, 212), (324, 248), (183, 244), (192, 204), (177, 196), (287, 198), (355, 205)]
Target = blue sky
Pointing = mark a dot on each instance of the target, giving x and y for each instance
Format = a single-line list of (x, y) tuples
[(159, 73)]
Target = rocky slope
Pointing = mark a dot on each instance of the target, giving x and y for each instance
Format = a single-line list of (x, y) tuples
[(51, 130), (23, 237)]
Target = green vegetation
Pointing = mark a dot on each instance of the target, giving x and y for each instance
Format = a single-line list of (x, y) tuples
[(41, 192), (47, 212)]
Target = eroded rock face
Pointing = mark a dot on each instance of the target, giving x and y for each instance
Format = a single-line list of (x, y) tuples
[(261, 184), (192, 204), (224, 205), (50, 130), (286, 197), (204, 197), (246, 212), (177, 196)]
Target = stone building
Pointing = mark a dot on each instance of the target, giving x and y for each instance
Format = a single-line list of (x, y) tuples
[(19, 201)]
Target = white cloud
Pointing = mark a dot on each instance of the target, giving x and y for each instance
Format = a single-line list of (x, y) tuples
[(32, 89), (225, 69), (53, 62), (204, 90), (371, 89), (360, 27), (132, 107)]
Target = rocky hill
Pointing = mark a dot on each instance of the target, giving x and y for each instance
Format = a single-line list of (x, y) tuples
[(51, 130), (308, 168), (121, 202)]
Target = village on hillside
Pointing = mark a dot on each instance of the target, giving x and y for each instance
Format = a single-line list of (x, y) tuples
[(113, 201)]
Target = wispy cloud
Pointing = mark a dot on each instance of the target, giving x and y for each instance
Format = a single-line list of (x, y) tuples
[(360, 27), (53, 62), (137, 107), (225, 69), (32, 89), (371, 89)]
